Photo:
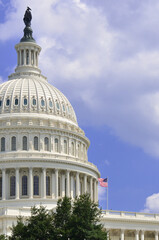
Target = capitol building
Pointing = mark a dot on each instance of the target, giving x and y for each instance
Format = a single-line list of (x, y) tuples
[(43, 151)]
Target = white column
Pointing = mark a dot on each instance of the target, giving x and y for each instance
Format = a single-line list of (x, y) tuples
[(56, 183), (142, 235), (71, 186), (3, 184), (30, 183), (34, 62), (17, 183), (91, 192), (137, 235), (122, 234), (43, 186), (94, 185), (63, 184), (68, 184), (20, 57), (53, 185), (77, 184), (156, 235), (85, 183), (97, 191)]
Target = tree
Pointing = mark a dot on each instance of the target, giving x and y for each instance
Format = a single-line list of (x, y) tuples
[(85, 220), (79, 219), (37, 227)]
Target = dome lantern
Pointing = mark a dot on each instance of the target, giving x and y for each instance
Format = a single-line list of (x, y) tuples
[(27, 50)]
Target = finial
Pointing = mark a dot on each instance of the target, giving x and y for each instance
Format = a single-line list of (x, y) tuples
[(27, 17), (27, 30)]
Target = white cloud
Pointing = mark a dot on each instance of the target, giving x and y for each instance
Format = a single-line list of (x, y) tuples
[(152, 203), (111, 71)]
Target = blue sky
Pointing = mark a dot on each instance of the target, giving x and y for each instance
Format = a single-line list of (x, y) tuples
[(104, 56)]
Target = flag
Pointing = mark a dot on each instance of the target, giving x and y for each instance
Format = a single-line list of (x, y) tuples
[(103, 182)]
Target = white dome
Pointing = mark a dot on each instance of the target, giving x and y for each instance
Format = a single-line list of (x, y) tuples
[(34, 95)]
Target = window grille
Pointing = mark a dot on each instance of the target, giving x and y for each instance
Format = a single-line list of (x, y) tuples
[(46, 144), (13, 143), (24, 143), (35, 143), (47, 185), (12, 186), (36, 185)]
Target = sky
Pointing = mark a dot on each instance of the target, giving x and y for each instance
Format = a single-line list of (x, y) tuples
[(104, 56)]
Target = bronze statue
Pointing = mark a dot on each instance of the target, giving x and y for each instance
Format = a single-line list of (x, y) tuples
[(27, 17)]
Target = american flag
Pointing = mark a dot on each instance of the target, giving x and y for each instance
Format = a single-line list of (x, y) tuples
[(103, 182)]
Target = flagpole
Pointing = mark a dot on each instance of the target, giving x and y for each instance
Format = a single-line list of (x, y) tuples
[(107, 194)]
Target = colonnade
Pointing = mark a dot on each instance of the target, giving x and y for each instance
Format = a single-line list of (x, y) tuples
[(46, 183), (135, 234)]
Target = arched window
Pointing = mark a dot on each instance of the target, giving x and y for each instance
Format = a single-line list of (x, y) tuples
[(42, 103), (34, 101), (12, 186), (56, 145), (24, 185), (36, 143), (36, 185), (78, 150), (13, 144), (25, 101), (24, 143), (0, 103), (46, 144), (47, 185), (16, 101), (2, 144), (72, 149), (65, 146), (0, 187), (7, 102)]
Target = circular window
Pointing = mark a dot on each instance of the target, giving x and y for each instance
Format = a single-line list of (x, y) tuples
[(42, 103), (50, 104)]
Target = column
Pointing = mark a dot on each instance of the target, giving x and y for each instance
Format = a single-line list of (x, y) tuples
[(156, 235), (91, 192), (3, 184), (68, 184), (77, 184), (53, 185), (17, 183), (85, 183), (43, 186), (142, 235), (20, 57), (97, 191), (63, 185), (71, 186), (122, 234), (137, 235), (94, 184), (56, 183), (30, 183)]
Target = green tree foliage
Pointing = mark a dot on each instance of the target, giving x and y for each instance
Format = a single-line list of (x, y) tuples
[(71, 220)]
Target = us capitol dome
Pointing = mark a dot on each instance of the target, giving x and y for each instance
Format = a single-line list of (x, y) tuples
[(43, 151)]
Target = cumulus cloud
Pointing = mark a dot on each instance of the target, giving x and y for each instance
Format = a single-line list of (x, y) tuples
[(108, 66), (152, 203)]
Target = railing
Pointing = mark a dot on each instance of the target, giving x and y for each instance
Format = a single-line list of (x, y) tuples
[(124, 214)]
